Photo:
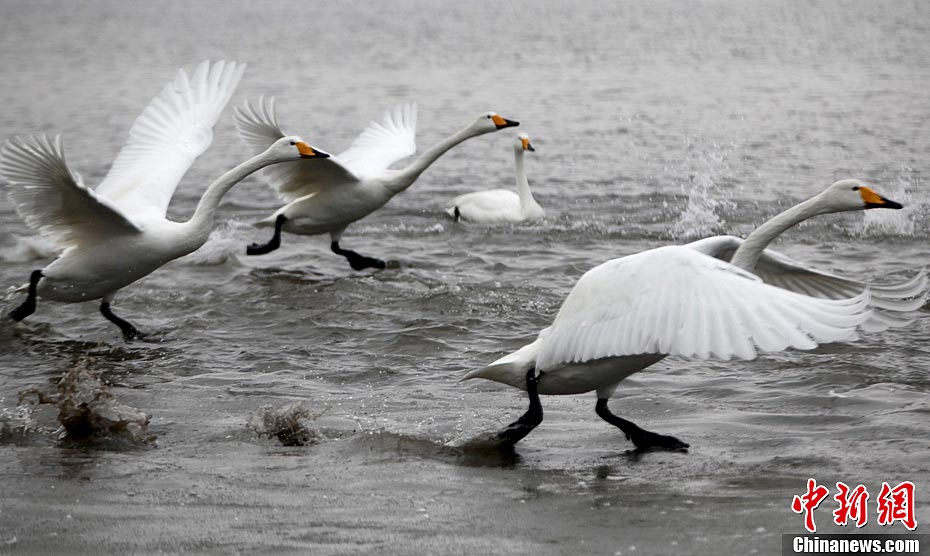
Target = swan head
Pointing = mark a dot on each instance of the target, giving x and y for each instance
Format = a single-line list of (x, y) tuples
[(846, 195), (523, 143), (292, 147), (491, 121)]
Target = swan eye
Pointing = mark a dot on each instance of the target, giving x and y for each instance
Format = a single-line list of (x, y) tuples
[(293, 142), (856, 188)]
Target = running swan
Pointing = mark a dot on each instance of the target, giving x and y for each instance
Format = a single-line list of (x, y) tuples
[(326, 197), (501, 205), (631, 312), (117, 233)]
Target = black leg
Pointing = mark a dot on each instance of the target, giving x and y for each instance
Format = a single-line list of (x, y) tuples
[(358, 262), (642, 439), (129, 331), (528, 421), (273, 243), (29, 306), (457, 215)]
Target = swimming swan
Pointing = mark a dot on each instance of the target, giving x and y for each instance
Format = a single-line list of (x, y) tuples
[(117, 233), (328, 196), (501, 205), (631, 312)]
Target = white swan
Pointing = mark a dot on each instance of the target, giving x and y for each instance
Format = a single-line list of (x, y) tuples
[(117, 233), (501, 205), (631, 312), (326, 197)]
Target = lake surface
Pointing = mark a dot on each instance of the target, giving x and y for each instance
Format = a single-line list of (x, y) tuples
[(654, 123)]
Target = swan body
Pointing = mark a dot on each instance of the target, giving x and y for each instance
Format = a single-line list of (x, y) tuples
[(328, 196), (629, 313), (501, 205), (117, 233)]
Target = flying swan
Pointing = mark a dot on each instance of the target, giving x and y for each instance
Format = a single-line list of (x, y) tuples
[(326, 197), (117, 233), (631, 312), (501, 205)]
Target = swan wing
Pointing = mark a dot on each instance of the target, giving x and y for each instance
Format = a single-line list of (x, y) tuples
[(383, 143), (173, 130), (53, 199), (780, 270), (677, 301), (258, 127)]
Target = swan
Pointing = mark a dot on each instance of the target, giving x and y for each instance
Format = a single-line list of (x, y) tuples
[(629, 313), (117, 233), (501, 205), (328, 196)]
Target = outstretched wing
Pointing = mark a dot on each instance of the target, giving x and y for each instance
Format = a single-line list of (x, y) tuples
[(258, 126), (53, 199), (172, 131), (783, 271), (677, 301), (383, 143)]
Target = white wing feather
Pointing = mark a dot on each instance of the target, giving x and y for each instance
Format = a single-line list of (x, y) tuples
[(258, 127), (780, 270), (677, 301), (383, 143), (53, 199), (172, 131)]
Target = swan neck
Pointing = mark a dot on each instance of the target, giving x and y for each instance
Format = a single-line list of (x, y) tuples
[(748, 254), (201, 224), (410, 174), (523, 186)]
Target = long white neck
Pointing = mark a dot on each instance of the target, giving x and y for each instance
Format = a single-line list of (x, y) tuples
[(523, 186), (201, 223), (748, 254), (408, 175)]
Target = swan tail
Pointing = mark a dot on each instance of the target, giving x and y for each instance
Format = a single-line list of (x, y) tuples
[(266, 223), (511, 374)]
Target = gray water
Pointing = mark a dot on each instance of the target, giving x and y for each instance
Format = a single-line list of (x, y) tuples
[(654, 123)]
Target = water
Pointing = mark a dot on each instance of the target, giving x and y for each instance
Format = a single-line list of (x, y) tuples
[(653, 123)]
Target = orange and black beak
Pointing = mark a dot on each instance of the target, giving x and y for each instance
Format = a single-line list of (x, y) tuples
[(527, 146), (306, 151), (501, 123), (874, 200)]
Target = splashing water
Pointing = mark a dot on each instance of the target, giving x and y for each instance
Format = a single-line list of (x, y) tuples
[(900, 223), (700, 217)]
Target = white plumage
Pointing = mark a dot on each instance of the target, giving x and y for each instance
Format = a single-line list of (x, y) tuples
[(166, 139), (629, 313), (118, 233), (328, 196), (501, 205)]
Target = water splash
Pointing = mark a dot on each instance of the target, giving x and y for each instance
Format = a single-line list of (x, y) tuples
[(224, 245), (701, 216), (31, 248), (87, 410), (290, 424), (898, 223)]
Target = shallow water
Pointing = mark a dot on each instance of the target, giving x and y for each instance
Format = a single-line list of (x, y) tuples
[(654, 123)]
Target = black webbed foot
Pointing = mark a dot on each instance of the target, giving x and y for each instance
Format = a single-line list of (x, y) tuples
[(356, 260), (517, 430), (129, 331), (272, 244), (645, 441), (29, 305)]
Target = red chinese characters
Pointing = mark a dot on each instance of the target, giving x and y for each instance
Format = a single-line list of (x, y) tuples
[(808, 502), (852, 505), (892, 504), (897, 504)]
